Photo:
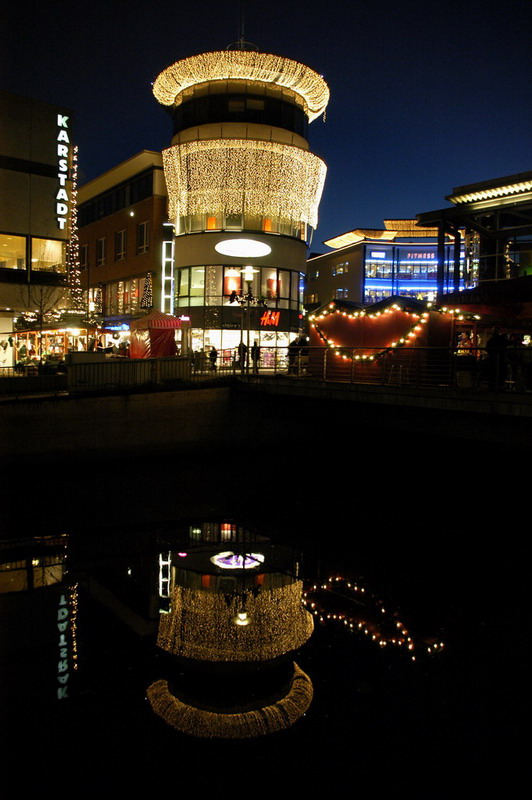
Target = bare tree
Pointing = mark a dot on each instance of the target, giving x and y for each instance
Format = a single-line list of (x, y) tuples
[(41, 304)]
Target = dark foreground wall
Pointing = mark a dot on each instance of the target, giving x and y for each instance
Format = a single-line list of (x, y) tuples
[(177, 422)]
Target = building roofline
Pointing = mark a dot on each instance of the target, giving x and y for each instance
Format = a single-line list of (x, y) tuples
[(120, 173)]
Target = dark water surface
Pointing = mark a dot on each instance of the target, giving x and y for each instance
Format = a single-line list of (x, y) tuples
[(437, 529)]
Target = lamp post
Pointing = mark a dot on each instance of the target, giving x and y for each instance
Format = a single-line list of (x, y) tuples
[(247, 274)]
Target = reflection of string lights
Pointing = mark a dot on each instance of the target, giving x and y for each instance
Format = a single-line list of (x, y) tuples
[(359, 622), (418, 321), (201, 624), (73, 624), (209, 724)]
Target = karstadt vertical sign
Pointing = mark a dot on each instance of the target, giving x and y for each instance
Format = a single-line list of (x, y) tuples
[(62, 199)]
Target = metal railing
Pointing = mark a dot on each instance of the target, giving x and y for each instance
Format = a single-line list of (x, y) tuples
[(510, 370), (114, 374)]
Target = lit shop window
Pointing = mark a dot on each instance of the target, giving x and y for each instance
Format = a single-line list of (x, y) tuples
[(143, 237), (120, 245), (232, 281), (48, 255), (12, 252), (197, 286), (197, 223), (101, 248)]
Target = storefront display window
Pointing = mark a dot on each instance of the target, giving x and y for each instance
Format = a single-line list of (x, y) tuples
[(48, 255), (197, 286), (12, 252)]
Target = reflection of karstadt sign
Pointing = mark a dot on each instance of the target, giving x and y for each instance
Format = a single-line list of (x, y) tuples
[(62, 664), (62, 200)]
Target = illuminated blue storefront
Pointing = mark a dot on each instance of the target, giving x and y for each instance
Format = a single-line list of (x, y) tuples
[(405, 269)]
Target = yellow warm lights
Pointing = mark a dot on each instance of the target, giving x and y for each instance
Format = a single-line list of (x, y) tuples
[(244, 176), (202, 625), (243, 65), (492, 192), (417, 327), (343, 588), (248, 724)]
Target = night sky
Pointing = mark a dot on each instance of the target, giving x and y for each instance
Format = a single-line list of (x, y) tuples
[(425, 96)]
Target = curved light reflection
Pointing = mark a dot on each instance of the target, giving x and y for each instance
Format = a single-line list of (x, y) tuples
[(230, 560)]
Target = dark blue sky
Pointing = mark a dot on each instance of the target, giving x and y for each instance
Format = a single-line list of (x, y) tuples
[(425, 96)]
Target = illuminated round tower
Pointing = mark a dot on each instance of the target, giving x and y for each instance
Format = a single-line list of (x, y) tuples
[(243, 191)]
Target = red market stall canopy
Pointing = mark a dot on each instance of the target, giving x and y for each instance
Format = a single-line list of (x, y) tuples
[(153, 336), (356, 336)]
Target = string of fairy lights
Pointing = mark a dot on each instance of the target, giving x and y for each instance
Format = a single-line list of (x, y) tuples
[(73, 260), (147, 294), (243, 65), (244, 176), (201, 624), (370, 619), (418, 322), (243, 725)]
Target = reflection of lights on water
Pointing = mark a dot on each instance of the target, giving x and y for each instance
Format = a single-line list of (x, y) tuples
[(242, 619), (230, 560), (312, 600)]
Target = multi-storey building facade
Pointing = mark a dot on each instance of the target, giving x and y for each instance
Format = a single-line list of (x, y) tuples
[(243, 192), (35, 209), (122, 216), (371, 265)]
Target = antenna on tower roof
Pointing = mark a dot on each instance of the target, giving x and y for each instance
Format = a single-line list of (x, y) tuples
[(241, 43)]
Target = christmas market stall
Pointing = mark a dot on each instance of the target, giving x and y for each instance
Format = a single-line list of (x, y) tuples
[(48, 346), (154, 336), (397, 340)]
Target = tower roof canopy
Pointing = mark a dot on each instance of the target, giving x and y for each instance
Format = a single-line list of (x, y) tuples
[(243, 65)]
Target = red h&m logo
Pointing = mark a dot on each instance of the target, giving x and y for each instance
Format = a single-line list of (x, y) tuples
[(270, 318)]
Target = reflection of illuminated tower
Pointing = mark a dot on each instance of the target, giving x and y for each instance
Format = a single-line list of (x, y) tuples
[(243, 190), (233, 617)]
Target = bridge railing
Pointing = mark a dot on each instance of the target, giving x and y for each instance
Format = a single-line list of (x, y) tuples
[(508, 370)]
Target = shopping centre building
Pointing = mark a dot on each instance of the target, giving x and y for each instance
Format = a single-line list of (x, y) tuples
[(243, 191)]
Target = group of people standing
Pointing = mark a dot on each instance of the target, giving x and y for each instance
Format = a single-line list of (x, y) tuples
[(502, 358), (240, 358)]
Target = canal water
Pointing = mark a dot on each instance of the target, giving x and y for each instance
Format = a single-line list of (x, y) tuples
[(434, 530)]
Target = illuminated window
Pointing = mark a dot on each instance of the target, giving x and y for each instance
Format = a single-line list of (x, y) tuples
[(143, 237), (267, 225), (48, 255), (341, 294), (120, 245), (211, 223), (12, 252), (233, 222), (100, 252)]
